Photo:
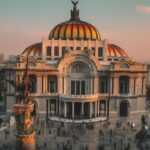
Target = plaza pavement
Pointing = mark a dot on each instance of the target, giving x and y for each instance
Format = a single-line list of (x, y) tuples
[(76, 137)]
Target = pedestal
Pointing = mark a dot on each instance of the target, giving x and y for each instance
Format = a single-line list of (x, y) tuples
[(25, 136)]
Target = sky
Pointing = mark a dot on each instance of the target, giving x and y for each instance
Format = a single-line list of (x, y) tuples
[(125, 23)]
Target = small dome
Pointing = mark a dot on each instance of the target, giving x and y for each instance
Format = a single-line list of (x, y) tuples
[(115, 51), (33, 50)]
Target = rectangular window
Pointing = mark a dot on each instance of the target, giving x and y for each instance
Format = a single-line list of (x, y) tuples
[(83, 88), (78, 48), (121, 88), (73, 87), (52, 86), (103, 84), (78, 87), (100, 52), (85, 48), (56, 51), (49, 51), (63, 51)]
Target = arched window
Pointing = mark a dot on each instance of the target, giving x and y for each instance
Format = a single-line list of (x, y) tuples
[(49, 51), (33, 81), (103, 84), (124, 85)]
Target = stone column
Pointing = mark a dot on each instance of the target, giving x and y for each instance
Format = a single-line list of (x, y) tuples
[(39, 84), (131, 86), (73, 110), (65, 85), (116, 85), (60, 85), (56, 107), (65, 110), (91, 81), (96, 84), (59, 108), (110, 85), (45, 84), (50, 107), (82, 109), (106, 107), (96, 109), (91, 109)]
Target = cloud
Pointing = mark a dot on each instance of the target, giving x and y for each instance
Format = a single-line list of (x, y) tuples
[(143, 9)]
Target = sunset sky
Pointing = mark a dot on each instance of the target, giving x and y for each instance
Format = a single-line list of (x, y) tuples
[(123, 22)]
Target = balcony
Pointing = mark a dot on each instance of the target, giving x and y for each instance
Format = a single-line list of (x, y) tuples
[(68, 97), (44, 95)]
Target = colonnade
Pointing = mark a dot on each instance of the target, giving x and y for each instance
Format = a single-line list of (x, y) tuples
[(76, 110)]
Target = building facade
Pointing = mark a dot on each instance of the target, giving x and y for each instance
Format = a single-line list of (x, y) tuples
[(75, 74)]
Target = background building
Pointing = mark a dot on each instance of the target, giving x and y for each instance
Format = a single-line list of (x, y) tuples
[(148, 73), (76, 74)]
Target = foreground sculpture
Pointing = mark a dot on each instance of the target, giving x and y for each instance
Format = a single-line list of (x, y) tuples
[(24, 112)]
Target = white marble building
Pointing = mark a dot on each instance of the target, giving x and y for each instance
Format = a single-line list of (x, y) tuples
[(77, 74)]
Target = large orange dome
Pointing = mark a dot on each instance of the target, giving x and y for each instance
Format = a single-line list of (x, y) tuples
[(74, 29)]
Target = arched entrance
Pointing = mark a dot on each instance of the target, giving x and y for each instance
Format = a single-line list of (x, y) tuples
[(123, 109)]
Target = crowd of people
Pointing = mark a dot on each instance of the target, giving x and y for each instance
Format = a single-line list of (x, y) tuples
[(67, 136)]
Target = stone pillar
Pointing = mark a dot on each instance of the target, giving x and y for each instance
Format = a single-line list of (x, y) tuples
[(73, 110), (82, 109), (60, 85), (50, 107), (139, 85), (105, 48), (59, 108), (91, 109), (65, 85), (65, 109), (56, 107), (116, 85), (131, 86), (96, 84), (96, 109), (44, 48), (45, 84), (25, 130), (110, 85), (106, 107), (91, 87), (39, 84)]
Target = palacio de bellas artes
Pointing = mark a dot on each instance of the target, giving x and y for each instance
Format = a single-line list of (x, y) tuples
[(74, 90)]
